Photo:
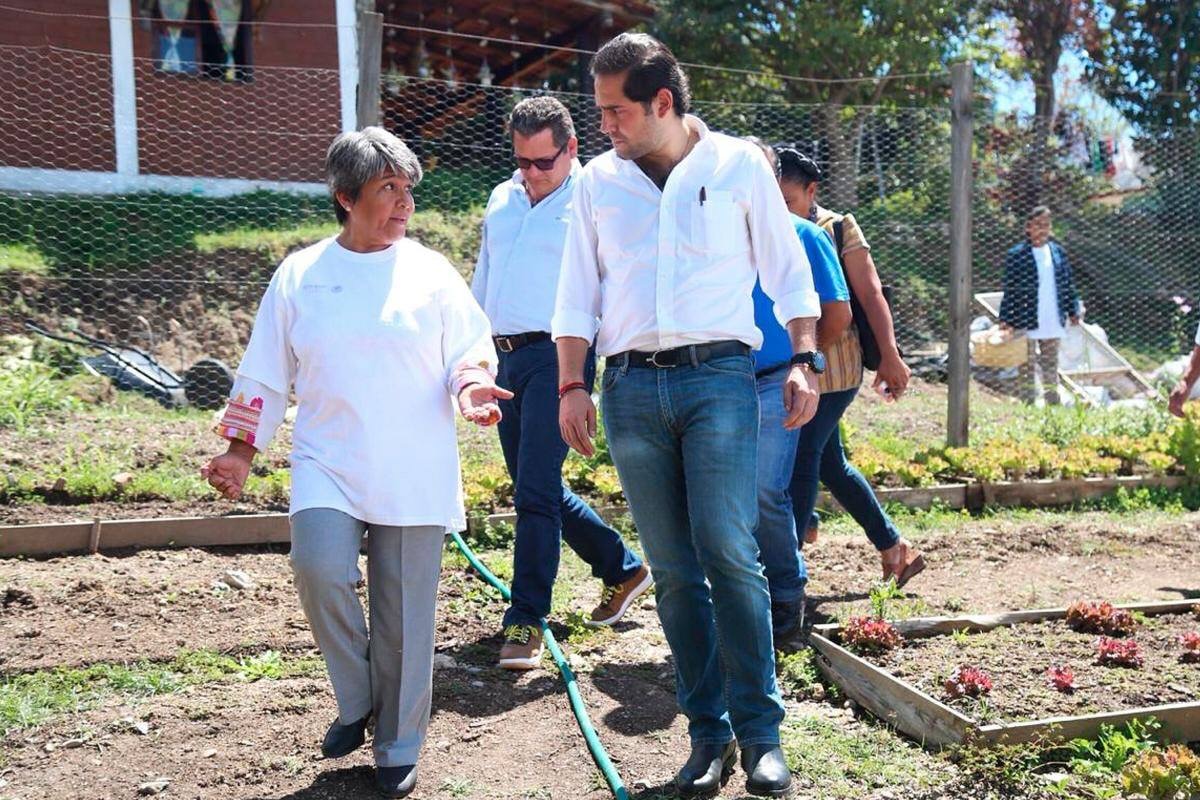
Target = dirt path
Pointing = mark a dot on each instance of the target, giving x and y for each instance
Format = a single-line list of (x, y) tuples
[(492, 735)]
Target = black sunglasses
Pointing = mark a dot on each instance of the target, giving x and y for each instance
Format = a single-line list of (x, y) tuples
[(544, 164)]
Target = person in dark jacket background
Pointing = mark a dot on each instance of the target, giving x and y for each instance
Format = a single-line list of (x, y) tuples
[(1039, 299)]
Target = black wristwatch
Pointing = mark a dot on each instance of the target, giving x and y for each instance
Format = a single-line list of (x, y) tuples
[(813, 359)]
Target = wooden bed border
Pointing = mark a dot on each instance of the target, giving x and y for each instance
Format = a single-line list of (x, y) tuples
[(935, 724)]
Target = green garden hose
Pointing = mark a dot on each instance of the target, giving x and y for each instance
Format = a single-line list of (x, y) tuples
[(601, 758)]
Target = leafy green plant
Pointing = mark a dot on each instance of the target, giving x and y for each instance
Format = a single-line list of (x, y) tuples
[(1167, 774), (1185, 442), (1112, 748), (881, 594)]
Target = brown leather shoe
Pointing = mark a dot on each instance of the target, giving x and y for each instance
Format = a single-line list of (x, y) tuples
[(902, 562), (522, 648), (615, 600)]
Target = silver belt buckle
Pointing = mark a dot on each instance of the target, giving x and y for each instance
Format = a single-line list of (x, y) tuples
[(504, 344), (654, 359)]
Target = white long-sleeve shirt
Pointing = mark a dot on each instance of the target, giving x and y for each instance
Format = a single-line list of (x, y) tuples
[(651, 269), (376, 345), (516, 274)]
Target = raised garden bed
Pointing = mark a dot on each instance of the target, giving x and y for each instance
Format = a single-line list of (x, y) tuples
[(908, 686), (85, 536)]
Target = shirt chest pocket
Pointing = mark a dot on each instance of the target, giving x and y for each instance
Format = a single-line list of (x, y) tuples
[(718, 224)]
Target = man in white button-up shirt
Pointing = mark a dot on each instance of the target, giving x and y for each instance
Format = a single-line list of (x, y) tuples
[(515, 280), (669, 230)]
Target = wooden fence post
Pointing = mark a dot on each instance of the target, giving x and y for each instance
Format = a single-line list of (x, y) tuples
[(370, 56), (961, 123)]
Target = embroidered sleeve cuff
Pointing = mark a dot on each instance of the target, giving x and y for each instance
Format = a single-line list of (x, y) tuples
[(570, 323), (241, 420), (804, 303)]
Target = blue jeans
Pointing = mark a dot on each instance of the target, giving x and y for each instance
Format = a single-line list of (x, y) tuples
[(547, 511), (778, 546), (685, 444), (820, 456)]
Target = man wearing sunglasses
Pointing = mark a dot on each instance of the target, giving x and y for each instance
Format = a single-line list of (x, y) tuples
[(516, 277)]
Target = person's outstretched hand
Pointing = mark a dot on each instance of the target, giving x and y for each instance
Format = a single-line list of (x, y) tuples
[(478, 403)]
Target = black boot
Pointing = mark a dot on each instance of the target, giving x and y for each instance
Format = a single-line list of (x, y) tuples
[(396, 781), (706, 770), (787, 620), (766, 770), (342, 740)]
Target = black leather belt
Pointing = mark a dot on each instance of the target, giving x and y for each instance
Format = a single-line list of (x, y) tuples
[(506, 344), (688, 355)]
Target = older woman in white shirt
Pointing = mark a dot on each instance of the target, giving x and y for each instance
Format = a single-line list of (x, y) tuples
[(376, 334)]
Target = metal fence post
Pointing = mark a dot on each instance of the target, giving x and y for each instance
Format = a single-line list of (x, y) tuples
[(370, 56), (958, 416)]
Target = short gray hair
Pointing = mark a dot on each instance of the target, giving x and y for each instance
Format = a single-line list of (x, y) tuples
[(360, 156), (534, 114)]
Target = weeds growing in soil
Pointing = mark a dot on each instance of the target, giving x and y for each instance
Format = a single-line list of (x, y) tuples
[(29, 699)]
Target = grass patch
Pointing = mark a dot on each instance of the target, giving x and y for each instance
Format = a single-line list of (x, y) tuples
[(29, 390), (22, 258), (30, 699), (277, 242), (849, 762)]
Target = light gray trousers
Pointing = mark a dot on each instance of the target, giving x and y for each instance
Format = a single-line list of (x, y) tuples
[(389, 673)]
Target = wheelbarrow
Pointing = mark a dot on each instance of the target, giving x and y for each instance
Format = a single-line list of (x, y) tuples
[(206, 384)]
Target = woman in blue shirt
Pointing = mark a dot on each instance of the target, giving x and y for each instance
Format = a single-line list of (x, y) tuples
[(778, 545)]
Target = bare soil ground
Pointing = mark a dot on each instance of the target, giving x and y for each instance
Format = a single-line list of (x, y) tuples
[(493, 734)]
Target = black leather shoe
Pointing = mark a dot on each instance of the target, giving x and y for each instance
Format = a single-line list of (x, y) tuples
[(707, 769), (342, 740), (396, 781), (766, 770), (787, 619)]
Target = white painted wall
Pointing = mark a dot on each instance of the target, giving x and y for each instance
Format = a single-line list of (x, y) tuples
[(128, 177), (33, 179)]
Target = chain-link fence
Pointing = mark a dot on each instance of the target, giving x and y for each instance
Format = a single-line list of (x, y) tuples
[(173, 263)]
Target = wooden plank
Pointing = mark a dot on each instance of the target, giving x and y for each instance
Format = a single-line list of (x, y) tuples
[(1069, 491), (33, 540), (192, 532), (1180, 723), (905, 707), (934, 723), (952, 495), (94, 536), (74, 537), (922, 627)]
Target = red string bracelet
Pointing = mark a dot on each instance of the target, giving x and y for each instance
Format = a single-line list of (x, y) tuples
[(570, 387)]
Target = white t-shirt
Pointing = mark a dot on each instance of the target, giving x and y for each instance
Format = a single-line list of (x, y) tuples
[(373, 344), (1049, 324)]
